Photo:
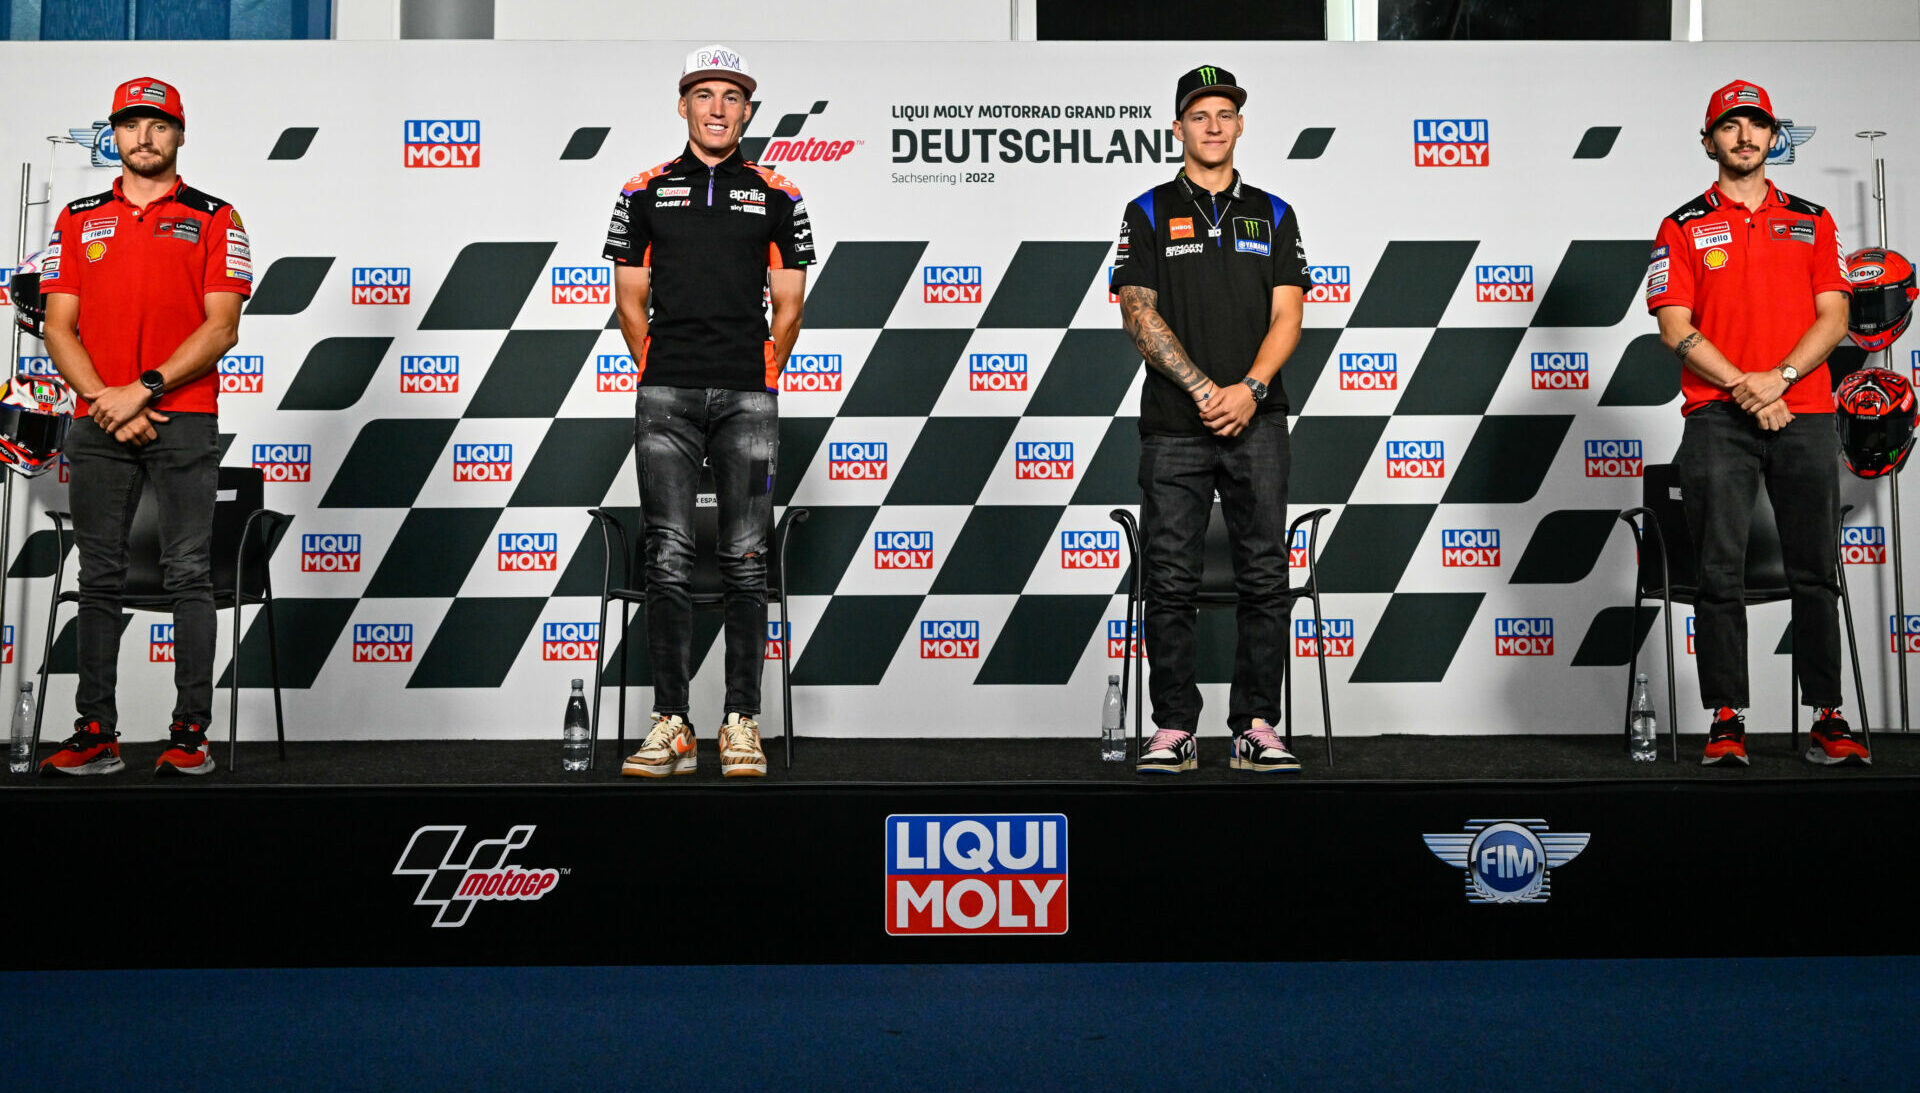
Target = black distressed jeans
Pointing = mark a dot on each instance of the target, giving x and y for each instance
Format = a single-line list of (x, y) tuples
[(737, 433)]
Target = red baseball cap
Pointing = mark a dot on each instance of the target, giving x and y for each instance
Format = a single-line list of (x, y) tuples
[(146, 95), (1739, 95)]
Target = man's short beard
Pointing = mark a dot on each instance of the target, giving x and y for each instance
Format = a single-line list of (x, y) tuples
[(165, 165)]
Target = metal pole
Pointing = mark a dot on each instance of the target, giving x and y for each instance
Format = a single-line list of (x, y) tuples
[(13, 371), (1893, 480)]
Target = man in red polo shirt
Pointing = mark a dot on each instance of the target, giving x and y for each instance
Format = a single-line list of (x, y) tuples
[(1749, 285), (143, 286)]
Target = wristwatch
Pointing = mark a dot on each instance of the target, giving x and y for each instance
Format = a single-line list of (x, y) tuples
[(1789, 373), (1259, 389), (154, 382)]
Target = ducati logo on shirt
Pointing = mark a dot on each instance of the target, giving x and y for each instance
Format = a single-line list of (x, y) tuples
[(184, 228)]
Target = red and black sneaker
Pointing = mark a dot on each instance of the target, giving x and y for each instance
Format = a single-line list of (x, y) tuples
[(1833, 743), (187, 751), (1726, 738), (90, 750)]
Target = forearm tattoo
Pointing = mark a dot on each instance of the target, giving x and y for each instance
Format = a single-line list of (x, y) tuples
[(1686, 345), (1156, 341)]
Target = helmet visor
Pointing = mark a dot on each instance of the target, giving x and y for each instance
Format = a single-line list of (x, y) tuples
[(1874, 308)]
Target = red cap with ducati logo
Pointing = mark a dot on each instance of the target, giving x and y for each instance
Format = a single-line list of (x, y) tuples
[(1738, 95), (146, 95)]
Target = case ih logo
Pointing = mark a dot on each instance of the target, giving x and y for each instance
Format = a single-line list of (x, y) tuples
[(778, 148), (1559, 371), (812, 372), (582, 284), (1043, 459), (1297, 549), (615, 372), (970, 875), (1416, 459), (483, 462), (453, 886), (856, 460), (779, 635), (1613, 459), (1523, 637), (570, 641), (160, 643), (1331, 284), (1117, 639), (1503, 284), (429, 375), (382, 284), (528, 552), (442, 144), (1470, 547), (1893, 634), (1369, 371), (1089, 550), (242, 375), (1863, 545), (284, 462), (330, 553), (38, 367), (1450, 142), (949, 639), (903, 550), (997, 372), (382, 642), (951, 284), (1336, 635)]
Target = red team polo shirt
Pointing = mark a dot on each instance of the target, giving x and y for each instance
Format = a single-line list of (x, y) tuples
[(1749, 278), (142, 276)]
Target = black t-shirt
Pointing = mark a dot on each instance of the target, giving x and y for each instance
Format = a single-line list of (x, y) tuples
[(709, 235), (1216, 291)]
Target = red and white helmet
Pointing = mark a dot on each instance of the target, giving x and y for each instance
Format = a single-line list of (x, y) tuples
[(1883, 293), (1876, 417), (36, 413)]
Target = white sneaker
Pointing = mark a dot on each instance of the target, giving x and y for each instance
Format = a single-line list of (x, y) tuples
[(670, 748), (740, 752)]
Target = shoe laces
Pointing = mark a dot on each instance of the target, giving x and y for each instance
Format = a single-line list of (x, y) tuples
[(1262, 734), (662, 733), (1167, 738), (742, 733), (186, 734), (89, 735)]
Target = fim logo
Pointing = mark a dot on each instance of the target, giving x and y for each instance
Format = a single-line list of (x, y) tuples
[(38, 367), (1331, 284), (1523, 637), (483, 462), (616, 372), (330, 553), (1369, 371), (1503, 284), (949, 639), (1559, 371), (284, 462), (903, 550), (98, 140), (966, 875), (856, 460), (1470, 546), (453, 887), (779, 636), (1789, 137), (430, 375), (1863, 545), (442, 144), (1613, 459), (382, 642), (1507, 861), (1416, 459), (1089, 550), (1893, 632), (1040, 459), (528, 552), (382, 285), (1336, 637), (1297, 548), (1119, 636), (242, 375), (582, 284), (997, 372), (160, 643), (570, 641), (1451, 142), (951, 284), (812, 372)]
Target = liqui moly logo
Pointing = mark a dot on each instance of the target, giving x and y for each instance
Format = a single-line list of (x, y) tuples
[(1863, 545), (6, 650), (242, 375), (1470, 546), (812, 372), (1614, 459), (779, 636), (1416, 459), (949, 639), (1369, 371), (1112, 296), (951, 284), (857, 460), (1559, 371), (1451, 142), (64, 469), (442, 144), (1336, 638), (382, 284), (483, 462), (160, 643), (903, 550), (1690, 634), (615, 372), (971, 875), (1503, 284), (1514, 637), (570, 641), (6, 282), (1895, 632), (434, 375), (1120, 636), (1331, 284), (528, 552), (582, 284), (1043, 459), (38, 367), (330, 552), (996, 371), (284, 462), (1089, 550), (1297, 548), (382, 642)]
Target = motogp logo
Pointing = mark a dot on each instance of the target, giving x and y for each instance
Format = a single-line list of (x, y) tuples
[(453, 886)]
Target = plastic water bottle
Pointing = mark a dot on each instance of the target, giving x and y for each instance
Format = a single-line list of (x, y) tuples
[(1644, 728), (576, 739), (20, 744), (1113, 717)]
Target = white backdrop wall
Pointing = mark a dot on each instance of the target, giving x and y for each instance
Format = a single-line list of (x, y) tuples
[(1425, 654)]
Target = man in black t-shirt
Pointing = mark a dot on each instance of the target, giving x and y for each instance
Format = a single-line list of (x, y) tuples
[(1211, 280)]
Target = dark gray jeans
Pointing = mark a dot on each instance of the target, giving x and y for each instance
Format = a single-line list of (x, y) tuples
[(181, 466)]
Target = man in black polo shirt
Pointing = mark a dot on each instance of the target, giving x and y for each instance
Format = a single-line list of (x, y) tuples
[(699, 245), (1211, 280)]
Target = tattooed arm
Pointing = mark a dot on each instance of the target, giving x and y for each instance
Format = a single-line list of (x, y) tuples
[(1157, 344)]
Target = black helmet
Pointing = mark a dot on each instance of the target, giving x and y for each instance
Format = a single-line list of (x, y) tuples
[(29, 310), (1883, 294), (1876, 421)]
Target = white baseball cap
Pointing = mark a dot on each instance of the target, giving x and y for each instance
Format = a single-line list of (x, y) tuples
[(716, 62)]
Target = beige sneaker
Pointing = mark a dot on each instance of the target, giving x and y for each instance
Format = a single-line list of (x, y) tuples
[(669, 749), (740, 754)]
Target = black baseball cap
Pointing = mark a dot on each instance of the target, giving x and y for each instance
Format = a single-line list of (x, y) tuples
[(1207, 80)]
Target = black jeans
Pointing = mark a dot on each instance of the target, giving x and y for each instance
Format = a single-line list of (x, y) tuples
[(181, 466), (737, 434), (1178, 477), (1724, 457)]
